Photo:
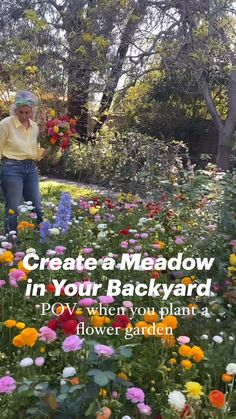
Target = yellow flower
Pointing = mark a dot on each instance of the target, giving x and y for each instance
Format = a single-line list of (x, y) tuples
[(193, 389), (52, 113), (232, 259), (172, 361), (42, 349), (160, 243), (56, 129), (123, 376), (10, 323), (20, 325), (103, 392), (93, 210), (79, 312), (106, 320), (6, 257), (11, 212), (22, 268), (186, 364)]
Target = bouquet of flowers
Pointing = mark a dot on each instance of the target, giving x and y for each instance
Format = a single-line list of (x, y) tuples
[(60, 131)]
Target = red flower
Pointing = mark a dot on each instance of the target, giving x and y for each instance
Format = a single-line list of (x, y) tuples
[(217, 399), (125, 232), (53, 324), (186, 412), (121, 321), (70, 327), (64, 144), (51, 288)]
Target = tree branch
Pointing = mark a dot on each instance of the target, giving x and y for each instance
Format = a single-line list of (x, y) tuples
[(210, 104)]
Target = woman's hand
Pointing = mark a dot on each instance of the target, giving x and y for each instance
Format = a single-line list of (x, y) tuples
[(42, 153)]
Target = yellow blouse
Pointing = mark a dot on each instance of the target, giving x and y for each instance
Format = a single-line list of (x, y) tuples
[(17, 142)]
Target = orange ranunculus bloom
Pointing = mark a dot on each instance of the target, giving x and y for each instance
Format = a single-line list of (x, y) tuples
[(168, 341), (6, 257), (217, 399), (10, 323), (150, 317), (22, 268), (186, 364), (18, 341), (227, 378), (24, 224), (97, 321), (170, 321), (186, 280), (185, 350), (197, 353), (29, 336), (74, 381), (155, 274)]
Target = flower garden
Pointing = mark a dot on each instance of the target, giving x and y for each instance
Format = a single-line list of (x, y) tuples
[(50, 369)]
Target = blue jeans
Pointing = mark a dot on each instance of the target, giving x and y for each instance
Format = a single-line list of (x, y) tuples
[(19, 179)]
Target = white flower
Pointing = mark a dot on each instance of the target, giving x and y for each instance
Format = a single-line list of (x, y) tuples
[(54, 231), (29, 202), (23, 209), (62, 382), (51, 252), (217, 339), (231, 338), (143, 220), (204, 337), (26, 362), (126, 417), (12, 232), (6, 245), (68, 372), (231, 368), (2, 238), (102, 226), (102, 235), (30, 208), (177, 400), (30, 250)]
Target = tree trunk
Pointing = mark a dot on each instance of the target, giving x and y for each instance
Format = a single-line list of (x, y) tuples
[(225, 145)]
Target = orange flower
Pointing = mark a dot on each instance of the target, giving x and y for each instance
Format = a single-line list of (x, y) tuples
[(170, 321), (150, 317), (74, 381), (155, 275), (185, 350), (53, 140), (186, 280), (168, 341), (197, 353), (29, 336), (24, 224), (10, 323), (6, 257), (141, 325), (97, 321), (217, 399), (18, 341), (22, 268), (186, 364), (172, 361), (104, 413), (227, 378)]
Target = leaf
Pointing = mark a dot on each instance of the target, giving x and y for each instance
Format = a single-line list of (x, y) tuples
[(126, 352), (101, 379), (74, 388), (92, 372), (87, 37), (51, 401), (92, 409), (111, 375), (23, 388)]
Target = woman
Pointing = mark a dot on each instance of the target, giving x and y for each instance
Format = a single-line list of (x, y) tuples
[(19, 151)]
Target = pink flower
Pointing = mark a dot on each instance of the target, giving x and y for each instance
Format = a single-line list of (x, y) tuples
[(183, 340), (144, 409), (13, 283), (87, 250), (104, 350), (132, 241), (7, 384), (72, 343), (39, 361), (136, 235), (135, 395), (106, 299), (16, 275), (2, 283), (124, 244), (127, 304), (60, 250), (6, 245), (47, 335), (87, 302), (33, 215), (137, 248)]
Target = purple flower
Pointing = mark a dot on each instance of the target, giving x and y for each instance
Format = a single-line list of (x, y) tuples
[(2, 283), (72, 343), (87, 250), (44, 229), (63, 213), (144, 235), (144, 409), (7, 384), (47, 335), (18, 256), (104, 350), (135, 395)]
